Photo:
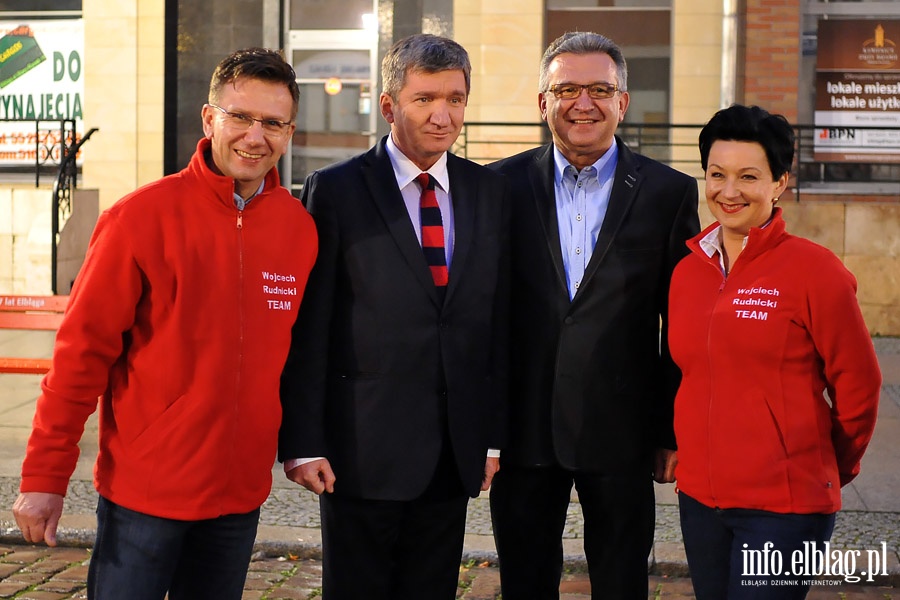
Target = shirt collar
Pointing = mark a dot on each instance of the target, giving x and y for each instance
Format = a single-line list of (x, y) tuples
[(560, 162), (241, 203), (712, 241), (406, 171)]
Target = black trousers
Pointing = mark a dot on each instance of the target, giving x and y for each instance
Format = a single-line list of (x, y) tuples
[(395, 550), (528, 510)]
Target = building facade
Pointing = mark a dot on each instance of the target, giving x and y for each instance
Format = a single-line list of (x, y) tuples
[(143, 68)]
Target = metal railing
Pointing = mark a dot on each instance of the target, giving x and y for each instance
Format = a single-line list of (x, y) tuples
[(63, 190), (55, 152), (676, 146)]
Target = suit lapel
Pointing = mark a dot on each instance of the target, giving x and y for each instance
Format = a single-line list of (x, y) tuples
[(464, 195), (382, 184), (540, 174), (625, 186)]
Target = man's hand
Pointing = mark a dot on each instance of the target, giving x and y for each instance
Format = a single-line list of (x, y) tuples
[(316, 476), (37, 515), (664, 467), (491, 466)]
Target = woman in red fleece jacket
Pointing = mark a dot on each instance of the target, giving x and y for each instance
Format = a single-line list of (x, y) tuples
[(780, 380)]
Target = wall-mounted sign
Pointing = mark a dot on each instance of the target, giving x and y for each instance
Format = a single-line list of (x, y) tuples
[(344, 64), (41, 78), (858, 91)]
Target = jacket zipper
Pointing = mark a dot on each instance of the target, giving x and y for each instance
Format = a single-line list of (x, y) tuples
[(240, 301), (240, 227), (709, 405)]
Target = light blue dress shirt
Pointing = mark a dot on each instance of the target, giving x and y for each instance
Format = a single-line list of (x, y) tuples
[(582, 198), (240, 203)]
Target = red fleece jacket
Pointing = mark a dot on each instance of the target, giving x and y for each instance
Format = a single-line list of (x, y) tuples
[(181, 319), (780, 379)]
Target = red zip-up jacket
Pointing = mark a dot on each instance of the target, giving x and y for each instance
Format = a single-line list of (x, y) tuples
[(758, 351), (181, 319)]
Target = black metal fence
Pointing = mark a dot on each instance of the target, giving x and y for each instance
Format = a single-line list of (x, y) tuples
[(676, 145)]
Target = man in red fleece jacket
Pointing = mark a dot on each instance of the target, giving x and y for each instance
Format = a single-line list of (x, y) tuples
[(181, 319)]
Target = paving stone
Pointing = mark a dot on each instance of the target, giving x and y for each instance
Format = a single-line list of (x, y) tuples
[(258, 580), (575, 584), (8, 588), (62, 587), (485, 585), (27, 578), (667, 587), (283, 593), (44, 595), (74, 573), (25, 555), (8, 569)]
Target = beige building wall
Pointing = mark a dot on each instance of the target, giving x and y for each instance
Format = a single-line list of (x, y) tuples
[(123, 89), (25, 225), (697, 78), (504, 39), (864, 235)]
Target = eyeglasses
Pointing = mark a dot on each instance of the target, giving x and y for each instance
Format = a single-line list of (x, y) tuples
[(597, 91), (243, 121)]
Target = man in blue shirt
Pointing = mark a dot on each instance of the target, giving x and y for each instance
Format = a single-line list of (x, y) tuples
[(596, 232)]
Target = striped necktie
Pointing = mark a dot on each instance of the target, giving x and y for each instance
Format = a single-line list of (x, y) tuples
[(433, 233)]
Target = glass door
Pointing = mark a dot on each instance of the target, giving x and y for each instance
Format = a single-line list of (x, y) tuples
[(338, 97)]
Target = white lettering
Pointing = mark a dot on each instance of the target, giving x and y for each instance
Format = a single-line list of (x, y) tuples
[(845, 102), (278, 277), (759, 290), (755, 302), (280, 290), (279, 304), (814, 561), (841, 87), (757, 315)]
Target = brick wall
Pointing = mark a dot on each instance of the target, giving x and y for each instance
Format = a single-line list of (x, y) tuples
[(771, 55)]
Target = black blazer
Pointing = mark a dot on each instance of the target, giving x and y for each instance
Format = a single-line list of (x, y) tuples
[(380, 370), (592, 387)]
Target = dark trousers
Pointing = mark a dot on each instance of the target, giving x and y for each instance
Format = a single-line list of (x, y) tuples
[(719, 542), (141, 557), (391, 550), (528, 510), (396, 550)]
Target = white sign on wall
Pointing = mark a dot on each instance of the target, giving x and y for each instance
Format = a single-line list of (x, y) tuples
[(41, 78)]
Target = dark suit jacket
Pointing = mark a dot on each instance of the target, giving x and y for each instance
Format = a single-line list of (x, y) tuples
[(379, 369), (591, 390)]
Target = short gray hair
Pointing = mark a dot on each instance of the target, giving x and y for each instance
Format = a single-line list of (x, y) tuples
[(424, 53), (584, 42)]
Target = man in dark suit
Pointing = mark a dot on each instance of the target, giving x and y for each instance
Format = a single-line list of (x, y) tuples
[(596, 232), (394, 391)]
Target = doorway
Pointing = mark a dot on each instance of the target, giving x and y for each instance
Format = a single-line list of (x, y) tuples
[(338, 98)]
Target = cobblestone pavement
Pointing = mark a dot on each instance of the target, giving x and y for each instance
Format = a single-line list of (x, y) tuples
[(40, 573)]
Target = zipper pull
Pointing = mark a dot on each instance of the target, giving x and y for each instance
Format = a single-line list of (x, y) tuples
[(240, 220)]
